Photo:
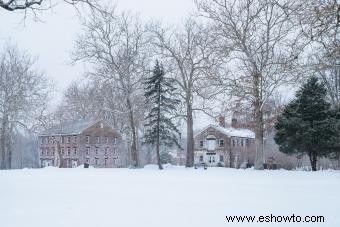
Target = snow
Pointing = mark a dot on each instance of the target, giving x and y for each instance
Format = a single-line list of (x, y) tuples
[(237, 132), (231, 132), (176, 196)]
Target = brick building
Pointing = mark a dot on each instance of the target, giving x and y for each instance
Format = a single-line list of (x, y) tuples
[(218, 145), (74, 143)]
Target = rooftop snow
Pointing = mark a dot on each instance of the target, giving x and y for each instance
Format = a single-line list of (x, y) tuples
[(70, 127), (232, 132)]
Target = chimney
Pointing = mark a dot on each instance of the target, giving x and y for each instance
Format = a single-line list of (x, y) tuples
[(221, 121), (234, 123)]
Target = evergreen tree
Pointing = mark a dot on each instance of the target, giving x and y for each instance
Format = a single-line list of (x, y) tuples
[(158, 93), (308, 125)]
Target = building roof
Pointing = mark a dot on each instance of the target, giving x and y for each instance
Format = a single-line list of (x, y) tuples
[(70, 127), (230, 131)]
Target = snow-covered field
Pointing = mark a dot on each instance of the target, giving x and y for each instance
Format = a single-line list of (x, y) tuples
[(174, 197)]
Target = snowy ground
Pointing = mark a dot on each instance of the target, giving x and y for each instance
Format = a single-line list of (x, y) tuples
[(174, 197)]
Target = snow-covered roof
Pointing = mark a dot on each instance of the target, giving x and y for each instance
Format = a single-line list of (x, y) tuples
[(70, 127), (230, 131)]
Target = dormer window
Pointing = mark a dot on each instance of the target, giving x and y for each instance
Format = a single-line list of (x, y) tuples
[(201, 143), (97, 139), (87, 139)]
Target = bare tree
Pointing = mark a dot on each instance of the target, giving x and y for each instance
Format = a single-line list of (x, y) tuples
[(23, 97), (319, 21), (116, 44), (82, 101), (189, 57), (260, 43), (36, 5), (320, 26)]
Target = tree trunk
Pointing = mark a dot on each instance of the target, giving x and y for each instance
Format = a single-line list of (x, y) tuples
[(313, 160), (3, 133), (190, 137), (259, 157), (60, 155), (9, 151), (158, 121), (134, 156)]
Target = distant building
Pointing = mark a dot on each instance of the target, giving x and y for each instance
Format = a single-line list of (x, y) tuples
[(218, 145), (75, 143)]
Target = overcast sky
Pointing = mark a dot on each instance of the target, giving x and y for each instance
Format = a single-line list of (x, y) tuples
[(53, 39)]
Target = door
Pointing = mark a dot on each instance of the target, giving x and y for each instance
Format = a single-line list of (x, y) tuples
[(211, 160), (74, 163)]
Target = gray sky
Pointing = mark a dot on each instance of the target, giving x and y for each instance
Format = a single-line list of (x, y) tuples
[(53, 39)]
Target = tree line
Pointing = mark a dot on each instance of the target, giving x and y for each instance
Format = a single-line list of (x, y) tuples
[(243, 52)]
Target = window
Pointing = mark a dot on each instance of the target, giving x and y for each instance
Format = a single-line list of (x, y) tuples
[(53, 139), (114, 141), (88, 151), (105, 161), (221, 158), (211, 144), (114, 151), (233, 142), (201, 158), (106, 140), (47, 151), (68, 151), (96, 159), (106, 150), (201, 143), (62, 151), (53, 150), (87, 139), (97, 139), (97, 150), (41, 151), (75, 151), (221, 143), (69, 139), (242, 142), (75, 139)]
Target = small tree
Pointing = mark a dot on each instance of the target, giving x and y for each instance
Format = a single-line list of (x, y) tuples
[(308, 125), (158, 93)]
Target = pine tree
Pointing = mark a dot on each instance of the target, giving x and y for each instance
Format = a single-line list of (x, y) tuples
[(308, 125), (158, 93)]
